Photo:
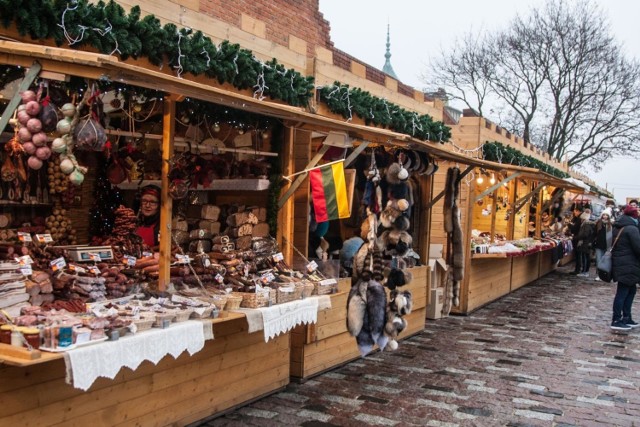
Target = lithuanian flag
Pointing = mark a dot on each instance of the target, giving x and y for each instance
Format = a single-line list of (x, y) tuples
[(329, 192)]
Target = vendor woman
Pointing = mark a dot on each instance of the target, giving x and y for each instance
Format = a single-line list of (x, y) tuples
[(149, 215)]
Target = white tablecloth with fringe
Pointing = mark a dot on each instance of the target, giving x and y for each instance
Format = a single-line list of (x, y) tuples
[(281, 318), (85, 364)]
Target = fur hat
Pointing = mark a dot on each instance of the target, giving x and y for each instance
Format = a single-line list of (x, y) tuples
[(396, 173), (392, 217), (396, 241), (585, 216), (607, 212)]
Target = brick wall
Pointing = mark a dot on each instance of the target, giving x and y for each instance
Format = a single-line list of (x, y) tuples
[(301, 18)]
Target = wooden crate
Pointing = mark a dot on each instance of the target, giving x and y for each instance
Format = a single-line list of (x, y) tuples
[(233, 368), (524, 270)]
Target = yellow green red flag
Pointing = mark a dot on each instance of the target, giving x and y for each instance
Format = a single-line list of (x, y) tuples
[(329, 192)]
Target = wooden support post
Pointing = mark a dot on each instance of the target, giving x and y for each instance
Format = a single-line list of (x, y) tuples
[(29, 78), (539, 215), (512, 217), (494, 214), (166, 207), (285, 215)]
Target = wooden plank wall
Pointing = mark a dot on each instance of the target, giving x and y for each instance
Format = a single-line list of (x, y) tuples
[(490, 280), (232, 369), (524, 270), (327, 344), (546, 263)]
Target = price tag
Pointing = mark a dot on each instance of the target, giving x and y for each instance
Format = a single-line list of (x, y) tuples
[(278, 257), (24, 260), (147, 254), (129, 260), (24, 237), (26, 270), (135, 310), (228, 290), (267, 278), (312, 266), (93, 269), (219, 278), (328, 282), (58, 264), (182, 259), (44, 238), (77, 268)]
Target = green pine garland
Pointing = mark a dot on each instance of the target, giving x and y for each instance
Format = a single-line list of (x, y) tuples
[(107, 27), (497, 152), (346, 101)]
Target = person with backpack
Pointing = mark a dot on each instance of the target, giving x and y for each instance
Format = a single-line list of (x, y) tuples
[(625, 262)]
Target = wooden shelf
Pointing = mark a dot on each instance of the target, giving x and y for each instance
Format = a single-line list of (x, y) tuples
[(241, 184), (24, 205)]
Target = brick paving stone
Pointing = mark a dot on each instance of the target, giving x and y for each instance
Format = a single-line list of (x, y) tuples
[(541, 356)]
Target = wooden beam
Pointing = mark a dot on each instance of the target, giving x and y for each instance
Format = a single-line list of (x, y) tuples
[(441, 194), (29, 78), (166, 206), (497, 185), (523, 200)]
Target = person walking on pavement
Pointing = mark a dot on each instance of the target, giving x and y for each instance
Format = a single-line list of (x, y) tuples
[(625, 261), (585, 241), (574, 229), (604, 235)]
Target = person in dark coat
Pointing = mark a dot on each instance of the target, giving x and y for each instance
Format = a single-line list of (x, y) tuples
[(585, 241), (625, 262), (574, 229), (604, 235)]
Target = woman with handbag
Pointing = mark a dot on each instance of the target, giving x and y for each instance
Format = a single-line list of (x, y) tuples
[(625, 255), (604, 235)]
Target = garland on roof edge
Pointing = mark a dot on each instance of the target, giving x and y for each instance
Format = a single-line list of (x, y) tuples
[(346, 101), (497, 152), (106, 27)]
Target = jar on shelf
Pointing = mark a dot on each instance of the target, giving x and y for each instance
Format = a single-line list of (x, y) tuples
[(32, 335), (5, 334)]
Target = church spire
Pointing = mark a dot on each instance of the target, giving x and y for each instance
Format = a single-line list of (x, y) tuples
[(387, 63)]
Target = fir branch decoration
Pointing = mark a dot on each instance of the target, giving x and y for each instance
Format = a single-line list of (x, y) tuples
[(497, 152), (107, 27), (346, 101)]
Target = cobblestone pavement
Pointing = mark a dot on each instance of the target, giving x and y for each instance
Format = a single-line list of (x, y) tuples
[(541, 356)]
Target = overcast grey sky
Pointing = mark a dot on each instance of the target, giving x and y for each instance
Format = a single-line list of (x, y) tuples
[(420, 29)]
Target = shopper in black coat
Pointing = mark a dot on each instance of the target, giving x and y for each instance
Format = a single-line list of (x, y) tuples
[(574, 229), (625, 267)]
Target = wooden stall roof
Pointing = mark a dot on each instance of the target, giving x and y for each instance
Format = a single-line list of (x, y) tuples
[(97, 66), (553, 180)]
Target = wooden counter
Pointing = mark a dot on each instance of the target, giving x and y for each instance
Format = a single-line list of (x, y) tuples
[(232, 369), (524, 270), (327, 344)]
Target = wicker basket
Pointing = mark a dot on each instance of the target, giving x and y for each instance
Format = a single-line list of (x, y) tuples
[(219, 300), (205, 314), (145, 322), (182, 314), (325, 289), (289, 292), (233, 302), (253, 299), (163, 317), (307, 289)]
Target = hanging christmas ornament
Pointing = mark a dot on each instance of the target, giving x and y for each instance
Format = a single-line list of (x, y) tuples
[(215, 128), (68, 109), (64, 126), (137, 108)]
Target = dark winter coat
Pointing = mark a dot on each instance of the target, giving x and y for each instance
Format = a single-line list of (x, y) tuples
[(585, 236), (574, 228), (625, 255), (600, 241)]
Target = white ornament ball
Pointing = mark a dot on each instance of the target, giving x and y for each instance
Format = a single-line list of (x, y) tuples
[(67, 166), (68, 110), (76, 177), (63, 126), (59, 146)]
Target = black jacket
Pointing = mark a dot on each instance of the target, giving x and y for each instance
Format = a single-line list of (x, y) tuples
[(625, 255), (600, 241), (586, 235), (574, 227)]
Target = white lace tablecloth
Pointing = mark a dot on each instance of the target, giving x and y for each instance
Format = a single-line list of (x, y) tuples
[(85, 364), (281, 318)]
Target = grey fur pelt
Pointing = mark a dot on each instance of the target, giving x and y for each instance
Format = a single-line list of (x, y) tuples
[(450, 196), (374, 319), (458, 246), (356, 307)]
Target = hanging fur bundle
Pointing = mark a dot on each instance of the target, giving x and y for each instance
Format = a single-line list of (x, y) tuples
[(448, 293), (396, 277), (458, 247), (451, 189), (400, 304), (366, 315)]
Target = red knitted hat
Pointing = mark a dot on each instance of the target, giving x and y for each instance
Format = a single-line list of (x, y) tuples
[(632, 211)]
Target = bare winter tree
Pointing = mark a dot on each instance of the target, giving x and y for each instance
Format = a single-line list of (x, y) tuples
[(560, 74)]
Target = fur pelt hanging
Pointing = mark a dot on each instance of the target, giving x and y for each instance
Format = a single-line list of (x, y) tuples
[(458, 249), (451, 190), (366, 315), (448, 293)]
